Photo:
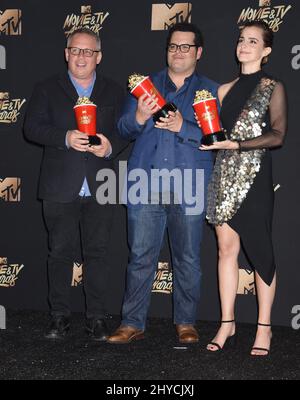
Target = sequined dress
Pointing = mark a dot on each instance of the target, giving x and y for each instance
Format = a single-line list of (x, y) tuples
[(253, 219)]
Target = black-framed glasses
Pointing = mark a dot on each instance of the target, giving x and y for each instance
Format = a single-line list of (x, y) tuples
[(184, 48), (76, 51)]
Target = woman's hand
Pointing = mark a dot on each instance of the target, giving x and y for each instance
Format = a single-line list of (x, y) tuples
[(225, 145)]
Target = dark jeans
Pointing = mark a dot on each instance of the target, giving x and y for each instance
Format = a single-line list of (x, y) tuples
[(146, 227), (63, 221)]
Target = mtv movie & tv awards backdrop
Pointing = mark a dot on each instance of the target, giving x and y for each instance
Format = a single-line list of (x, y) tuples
[(32, 41)]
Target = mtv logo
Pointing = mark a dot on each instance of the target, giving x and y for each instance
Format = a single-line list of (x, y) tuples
[(86, 9), (264, 3), (77, 274), (246, 282), (10, 189), (163, 266), (11, 22), (4, 95), (163, 279), (3, 261), (2, 57), (166, 15)]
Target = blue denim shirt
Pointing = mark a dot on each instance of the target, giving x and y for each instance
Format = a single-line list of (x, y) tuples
[(160, 149)]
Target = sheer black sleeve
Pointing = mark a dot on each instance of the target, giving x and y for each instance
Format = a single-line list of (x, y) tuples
[(278, 122)]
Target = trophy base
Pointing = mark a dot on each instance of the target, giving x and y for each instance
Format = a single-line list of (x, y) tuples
[(212, 138), (94, 140), (164, 111)]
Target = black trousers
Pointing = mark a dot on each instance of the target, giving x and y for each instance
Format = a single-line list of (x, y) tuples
[(64, 221)]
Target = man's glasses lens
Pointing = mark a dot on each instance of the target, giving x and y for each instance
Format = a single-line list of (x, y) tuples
[(75, 51), (184, 48)]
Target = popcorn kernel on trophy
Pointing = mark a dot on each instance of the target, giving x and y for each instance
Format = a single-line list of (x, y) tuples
[(205, 106), (85, 113), (140, 84)]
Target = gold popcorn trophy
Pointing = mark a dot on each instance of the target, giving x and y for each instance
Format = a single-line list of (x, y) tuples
[(85, 112), (206, 109), (140, 84)]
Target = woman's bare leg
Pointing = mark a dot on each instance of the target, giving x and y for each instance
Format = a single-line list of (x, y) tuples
[(228, 270), (265, 298)]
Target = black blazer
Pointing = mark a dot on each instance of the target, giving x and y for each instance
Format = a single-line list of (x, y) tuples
[(50, 115)]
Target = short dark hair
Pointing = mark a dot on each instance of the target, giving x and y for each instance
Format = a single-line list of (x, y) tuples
[(268, 35), (87, 31), (187, 27)]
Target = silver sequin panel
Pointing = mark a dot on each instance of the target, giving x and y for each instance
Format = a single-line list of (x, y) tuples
[(234, 172)]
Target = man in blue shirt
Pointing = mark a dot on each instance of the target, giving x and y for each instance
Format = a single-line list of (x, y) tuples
[(167, 152), (68, 179)]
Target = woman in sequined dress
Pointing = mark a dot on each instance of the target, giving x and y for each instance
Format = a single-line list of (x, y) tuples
[(240, 199)]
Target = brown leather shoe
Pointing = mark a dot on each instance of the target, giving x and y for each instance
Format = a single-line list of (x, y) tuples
[(187, 333), (125, 334)]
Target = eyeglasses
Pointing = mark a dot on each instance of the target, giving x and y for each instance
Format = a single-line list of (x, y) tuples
[(184, 48), (76, 51)]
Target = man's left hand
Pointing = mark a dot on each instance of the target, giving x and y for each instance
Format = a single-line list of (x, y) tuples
[(173, 123), (103, 150)]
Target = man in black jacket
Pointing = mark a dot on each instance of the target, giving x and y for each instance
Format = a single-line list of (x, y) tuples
[(68, 178)]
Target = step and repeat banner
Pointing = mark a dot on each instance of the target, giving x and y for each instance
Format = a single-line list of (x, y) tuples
[(32, 40)]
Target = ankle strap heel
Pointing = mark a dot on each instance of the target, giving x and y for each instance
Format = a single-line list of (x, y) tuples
[(259, 324), (267, 351), (229, 342)]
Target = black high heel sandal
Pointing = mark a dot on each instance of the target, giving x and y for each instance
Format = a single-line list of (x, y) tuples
[(230, 341), (261, 348)]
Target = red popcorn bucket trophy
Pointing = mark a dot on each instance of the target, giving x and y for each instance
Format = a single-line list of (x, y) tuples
[(139, 85), (85, 113), (206, 109)]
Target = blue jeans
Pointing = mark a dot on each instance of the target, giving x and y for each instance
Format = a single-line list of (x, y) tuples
[(146, 228)]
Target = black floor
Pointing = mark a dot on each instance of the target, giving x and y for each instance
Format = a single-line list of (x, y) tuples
[(26, 355)]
